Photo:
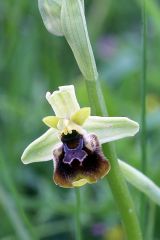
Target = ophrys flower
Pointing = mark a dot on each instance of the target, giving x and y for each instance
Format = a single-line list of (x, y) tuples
[(74, 140)]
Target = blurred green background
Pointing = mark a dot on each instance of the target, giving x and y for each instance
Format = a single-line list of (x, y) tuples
[(32, 62)]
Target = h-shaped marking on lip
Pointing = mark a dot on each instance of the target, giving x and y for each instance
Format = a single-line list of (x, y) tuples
[(74, 153)]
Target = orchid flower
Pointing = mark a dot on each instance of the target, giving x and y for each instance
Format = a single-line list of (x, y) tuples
[(74, 140)]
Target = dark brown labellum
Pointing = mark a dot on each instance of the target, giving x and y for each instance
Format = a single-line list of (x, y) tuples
[(79, 157)]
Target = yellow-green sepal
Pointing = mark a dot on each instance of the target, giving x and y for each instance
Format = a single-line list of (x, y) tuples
[(81, 116), (51, 121)]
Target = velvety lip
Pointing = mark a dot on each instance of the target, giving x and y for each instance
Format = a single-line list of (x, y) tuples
[(88, 165)]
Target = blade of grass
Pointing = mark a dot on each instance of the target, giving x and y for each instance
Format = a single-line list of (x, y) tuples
[(11, 211), (143, 110), (151, 221), (144, 89), (17, 210), (46, 230), (77, 214)]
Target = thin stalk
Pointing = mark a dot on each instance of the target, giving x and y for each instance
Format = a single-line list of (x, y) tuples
[(144, 89), (151, 221), (115, 178), (143, 106), (77, 214)]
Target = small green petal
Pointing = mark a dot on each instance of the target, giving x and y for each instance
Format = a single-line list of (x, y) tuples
[(81, 116), (110, 129), (51, 121), (63, 101), (42, 148)]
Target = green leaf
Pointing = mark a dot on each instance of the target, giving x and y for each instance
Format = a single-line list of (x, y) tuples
[(141, 182), (74, 28)]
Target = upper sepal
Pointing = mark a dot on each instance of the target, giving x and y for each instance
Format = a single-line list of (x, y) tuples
[(63, 101)]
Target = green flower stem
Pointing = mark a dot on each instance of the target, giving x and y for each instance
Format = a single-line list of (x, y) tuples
[(77, 214), (115, 178), (143, 106)]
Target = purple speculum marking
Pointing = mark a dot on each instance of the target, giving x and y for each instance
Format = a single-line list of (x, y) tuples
[(74, 153)]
